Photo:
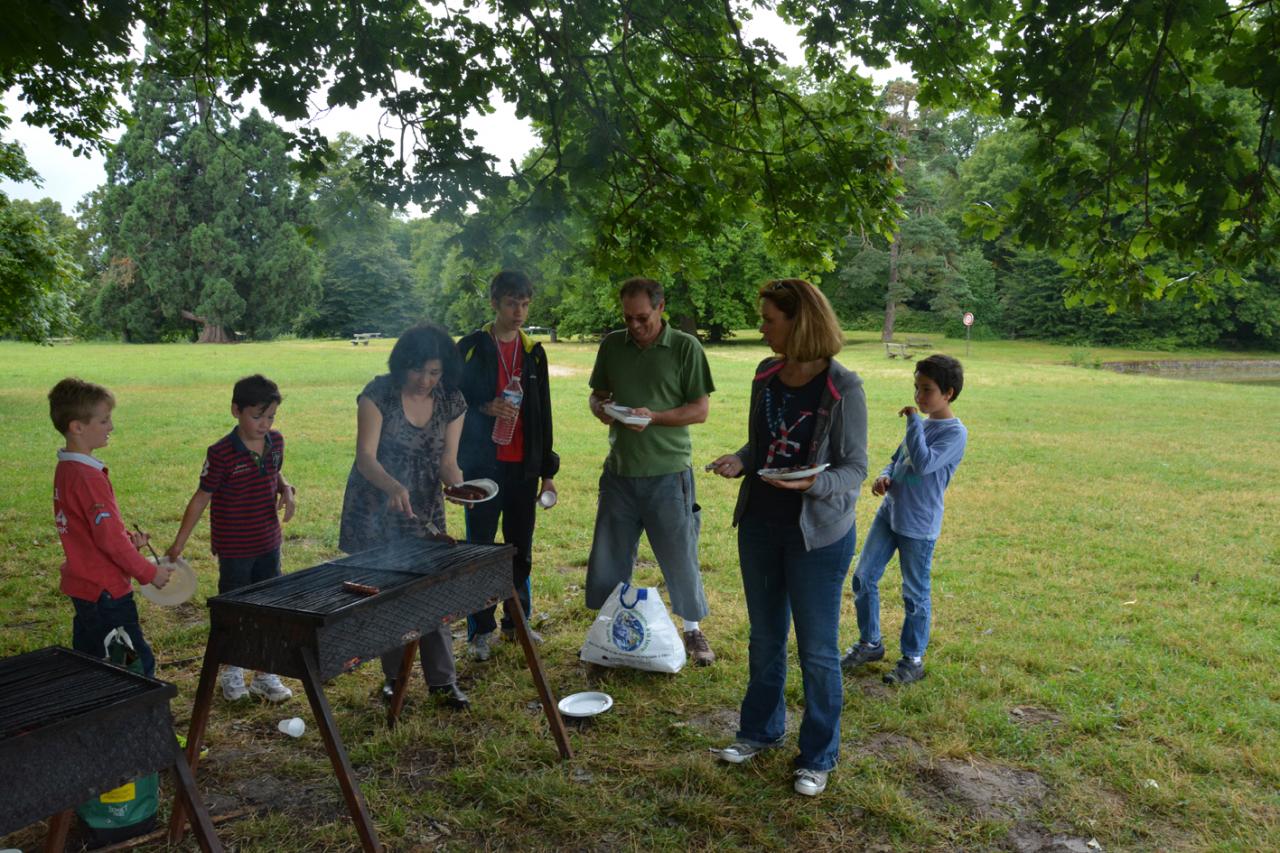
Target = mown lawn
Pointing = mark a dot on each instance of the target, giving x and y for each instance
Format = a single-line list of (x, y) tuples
[(1102, 665)]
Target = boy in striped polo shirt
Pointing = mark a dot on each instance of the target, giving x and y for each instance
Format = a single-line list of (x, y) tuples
[(243, 482)]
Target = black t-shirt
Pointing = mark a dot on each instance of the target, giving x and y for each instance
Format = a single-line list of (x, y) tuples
[(784, 426)]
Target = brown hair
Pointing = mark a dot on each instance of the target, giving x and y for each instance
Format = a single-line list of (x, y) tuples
[(816, 332), (73, 399)]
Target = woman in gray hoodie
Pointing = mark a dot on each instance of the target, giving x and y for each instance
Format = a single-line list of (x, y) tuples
[(805, 460)]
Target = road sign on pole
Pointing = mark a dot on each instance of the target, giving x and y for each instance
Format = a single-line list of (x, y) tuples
[(968, 324)]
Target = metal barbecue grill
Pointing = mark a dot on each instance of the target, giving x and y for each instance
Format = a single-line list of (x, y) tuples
[(73, 726), (310, 626)]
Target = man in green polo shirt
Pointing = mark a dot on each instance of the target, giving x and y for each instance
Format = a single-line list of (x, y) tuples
[(662, 374)]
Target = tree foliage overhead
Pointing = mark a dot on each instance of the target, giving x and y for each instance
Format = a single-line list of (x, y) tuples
[(657, 119), (1154, 123)]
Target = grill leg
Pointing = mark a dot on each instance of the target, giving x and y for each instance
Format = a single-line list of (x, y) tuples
[(199, 721), (59, 826), (185, 782), (539, 677), (402, 684), (337, 754)]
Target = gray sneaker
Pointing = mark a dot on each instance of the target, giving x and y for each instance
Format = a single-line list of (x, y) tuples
[(232, 681), (742, 751), (811, 783), (862, 653), (268, 686), (479, 647), (905, 672)]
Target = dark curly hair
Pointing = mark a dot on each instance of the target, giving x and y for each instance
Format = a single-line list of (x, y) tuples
[(425, 342)]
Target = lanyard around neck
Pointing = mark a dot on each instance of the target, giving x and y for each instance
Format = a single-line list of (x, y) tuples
[(509, 370)]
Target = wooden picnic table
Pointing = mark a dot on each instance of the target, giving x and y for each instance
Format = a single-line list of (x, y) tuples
[(364, 337)]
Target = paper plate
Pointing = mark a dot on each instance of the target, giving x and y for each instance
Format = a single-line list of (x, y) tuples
[(622, 414), (788, 474), (586, 704), (489, 486), (180, 588)]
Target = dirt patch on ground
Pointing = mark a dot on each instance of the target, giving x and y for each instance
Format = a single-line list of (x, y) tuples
[(891, 747), (873, 687), (560, 370), (1034, 838), (990, 791), (722, 723), (1028, 715)]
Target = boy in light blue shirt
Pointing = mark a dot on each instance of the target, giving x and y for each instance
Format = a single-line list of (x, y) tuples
[(910, 519)]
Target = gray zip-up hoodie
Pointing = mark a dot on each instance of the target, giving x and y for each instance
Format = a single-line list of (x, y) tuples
[(839, 438)]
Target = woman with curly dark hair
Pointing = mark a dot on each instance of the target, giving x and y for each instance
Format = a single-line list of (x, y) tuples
[(408, 423)]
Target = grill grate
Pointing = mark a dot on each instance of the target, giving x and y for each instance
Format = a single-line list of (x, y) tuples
[(40, 689), (319, 591)]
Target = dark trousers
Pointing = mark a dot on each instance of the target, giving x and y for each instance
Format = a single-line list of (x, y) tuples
[(95, 619), (237, 572), (516, 503)]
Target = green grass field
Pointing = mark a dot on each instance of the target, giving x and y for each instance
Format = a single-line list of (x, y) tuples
[(1103, 661)]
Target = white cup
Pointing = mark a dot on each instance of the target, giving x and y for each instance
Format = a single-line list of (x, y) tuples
[(293, 727), (548, 499)]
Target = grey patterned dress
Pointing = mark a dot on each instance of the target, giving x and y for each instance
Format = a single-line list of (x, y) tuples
[(410, 454)]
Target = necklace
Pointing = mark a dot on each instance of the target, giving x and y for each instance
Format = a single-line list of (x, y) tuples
[(508, 370)]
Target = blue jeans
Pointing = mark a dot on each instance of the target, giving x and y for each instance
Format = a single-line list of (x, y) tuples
[(665, 508), (95, 619), (780, 578), (915, 556)]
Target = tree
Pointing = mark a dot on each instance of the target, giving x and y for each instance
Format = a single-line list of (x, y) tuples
[(367, 281), (38, 274), (201, 214)]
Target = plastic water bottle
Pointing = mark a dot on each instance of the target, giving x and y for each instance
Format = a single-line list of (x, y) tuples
[(505, 428)]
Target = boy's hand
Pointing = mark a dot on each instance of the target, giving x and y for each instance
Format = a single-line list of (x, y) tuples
[(139, 539), (162, 576), (908, 410), (286, 499), (880, 486), (498, 407), (174, 553)]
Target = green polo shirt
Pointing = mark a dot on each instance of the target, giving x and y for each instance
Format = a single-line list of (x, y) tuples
[(670, 372)]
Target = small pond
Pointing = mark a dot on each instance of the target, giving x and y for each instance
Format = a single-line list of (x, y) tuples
[(1250, 371)]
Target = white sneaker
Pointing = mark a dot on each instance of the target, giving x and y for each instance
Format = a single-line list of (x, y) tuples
[(479, 647), (811, 783), (232, 681), (268, 686)]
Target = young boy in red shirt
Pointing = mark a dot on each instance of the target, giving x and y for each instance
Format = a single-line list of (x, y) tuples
[(242, 480), (102, 556)]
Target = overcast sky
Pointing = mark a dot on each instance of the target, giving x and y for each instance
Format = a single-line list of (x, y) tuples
[(67, 178)]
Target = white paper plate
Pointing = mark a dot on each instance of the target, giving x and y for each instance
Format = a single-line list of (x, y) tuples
[(489, 486), (783, 474), (622, 414), (180, 588), (586, 704)]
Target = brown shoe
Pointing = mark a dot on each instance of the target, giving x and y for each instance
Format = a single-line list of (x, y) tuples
[(698, 649)]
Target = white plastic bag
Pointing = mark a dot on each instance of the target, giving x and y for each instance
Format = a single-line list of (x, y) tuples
[(633, 629)]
